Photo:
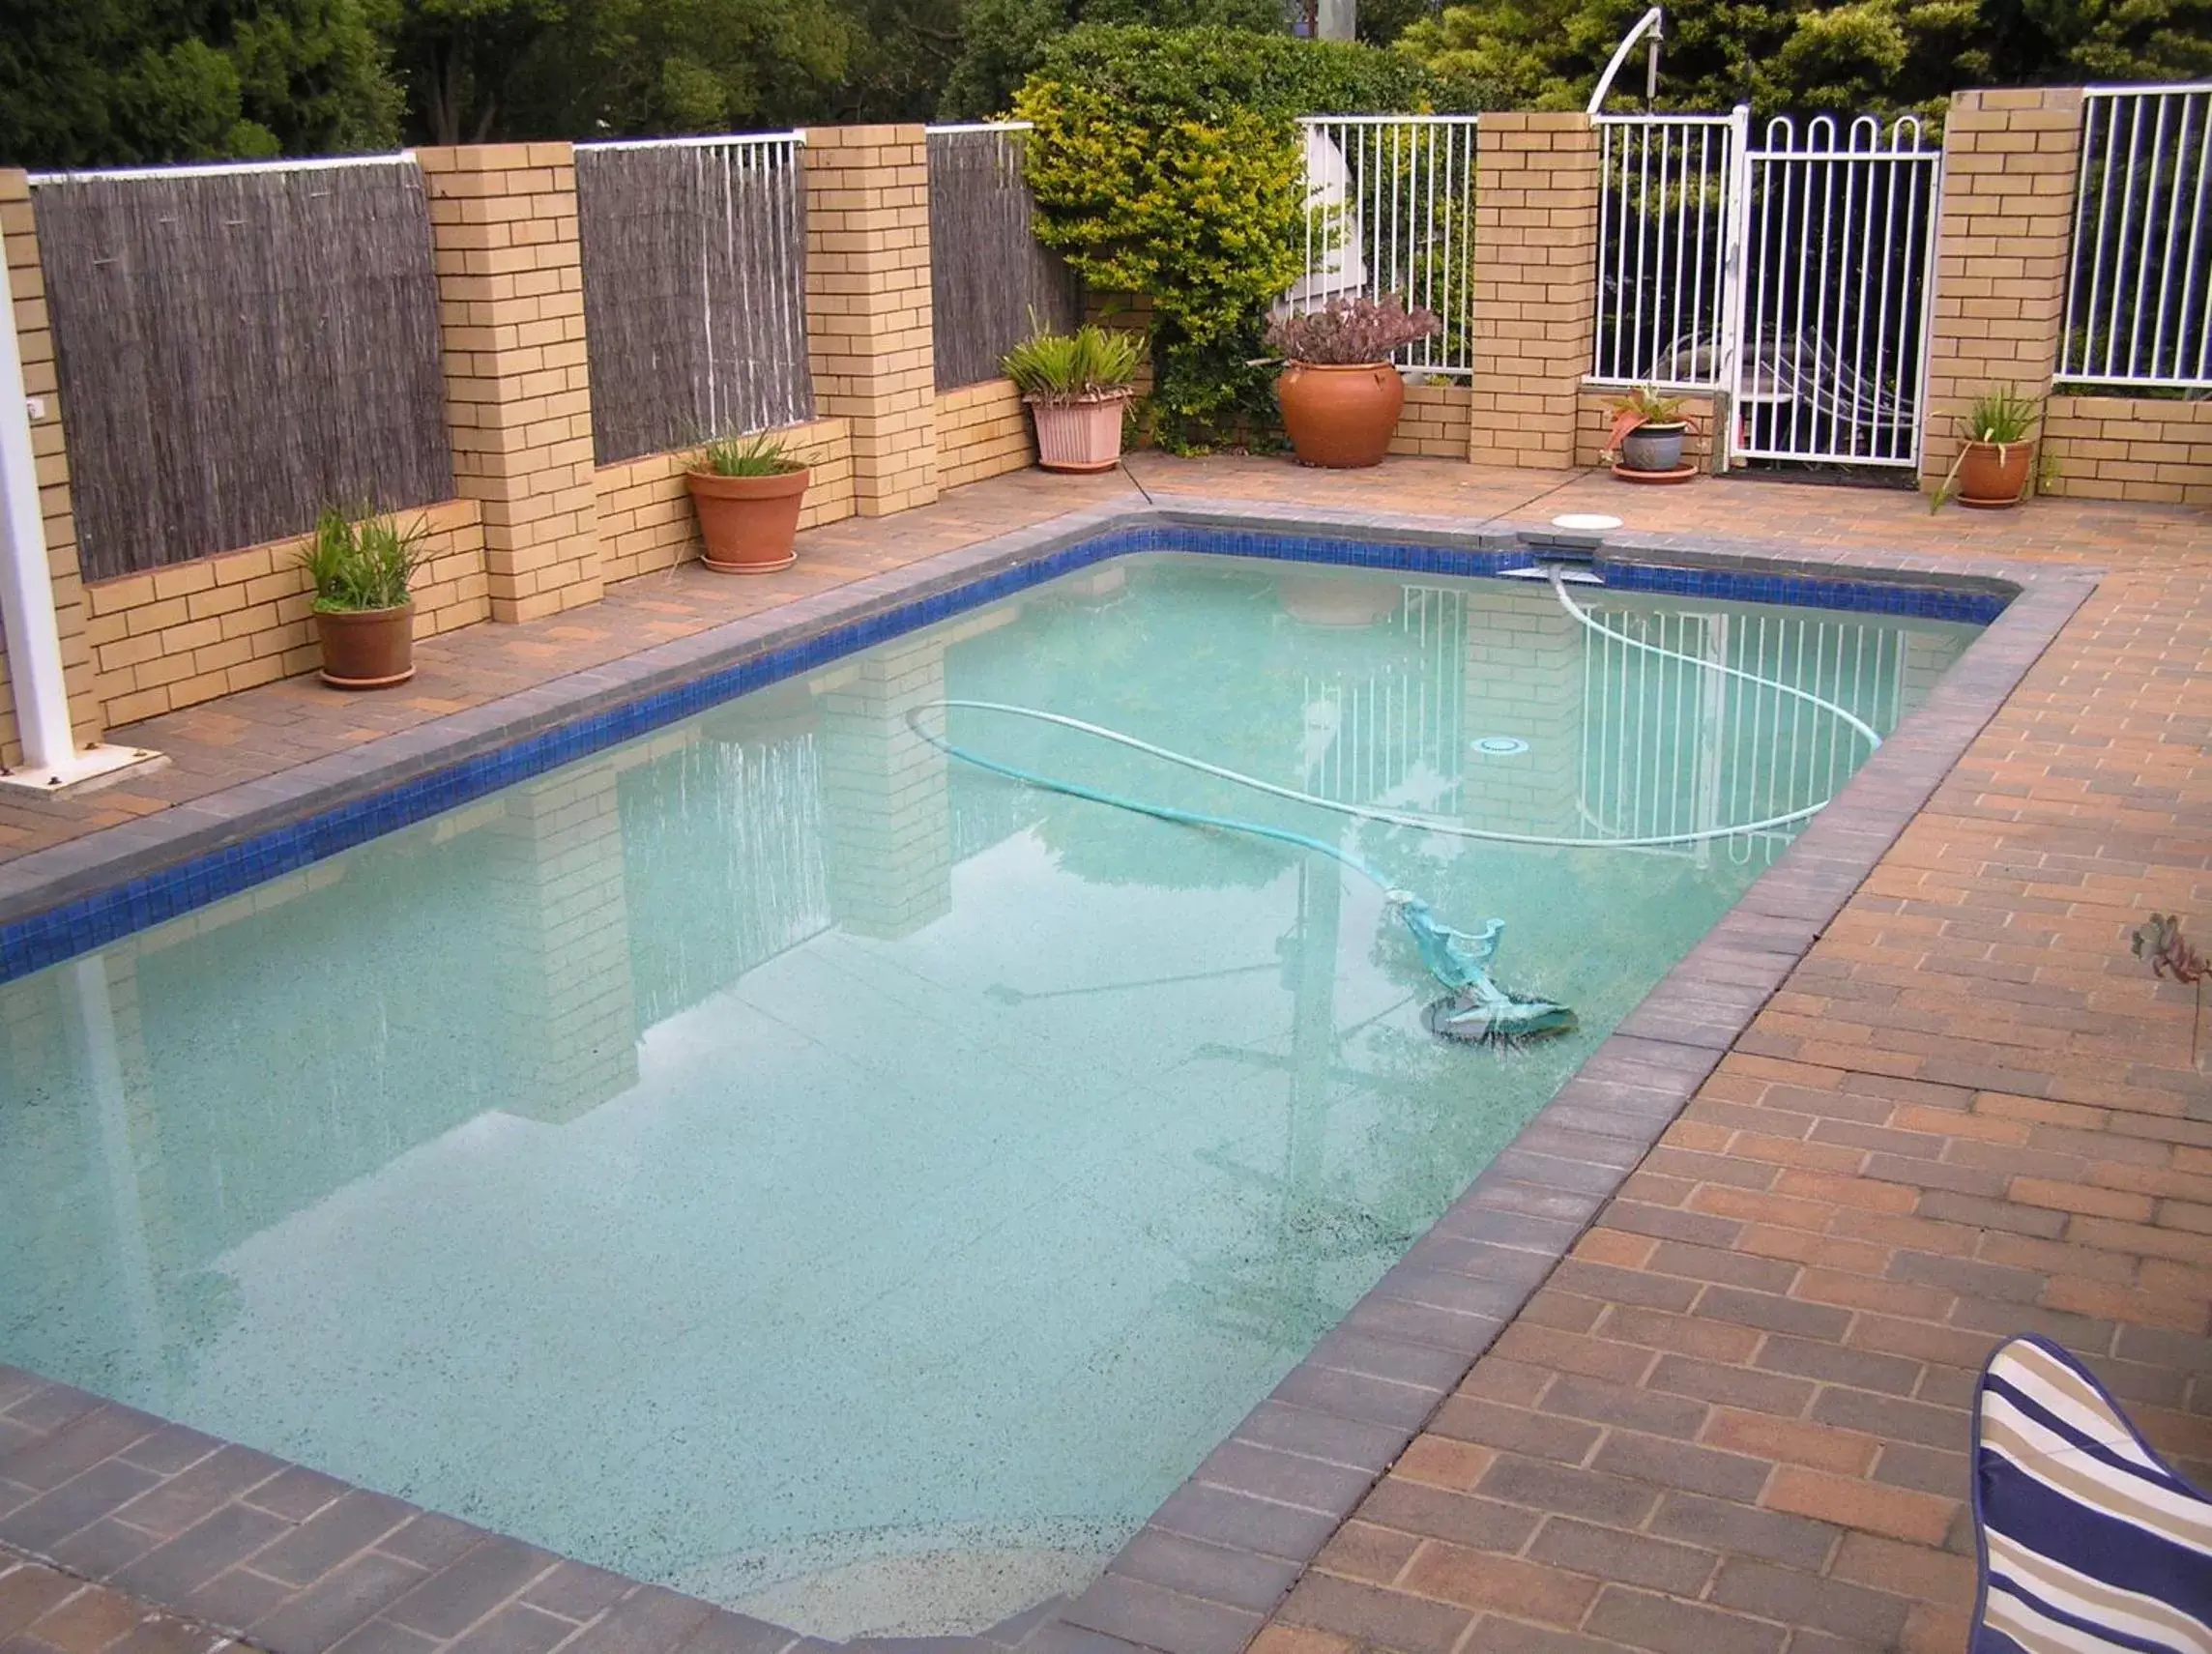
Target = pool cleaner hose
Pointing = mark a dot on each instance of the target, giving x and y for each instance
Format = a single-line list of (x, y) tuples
[(1476, 1008)]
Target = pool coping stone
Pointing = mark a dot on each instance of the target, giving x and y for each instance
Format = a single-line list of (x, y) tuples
[(297, 1563)]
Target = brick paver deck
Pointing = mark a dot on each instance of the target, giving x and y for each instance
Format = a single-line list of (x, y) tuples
[(1734, 1418)]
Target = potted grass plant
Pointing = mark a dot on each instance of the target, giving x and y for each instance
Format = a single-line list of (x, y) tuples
[(361, 566), (1340, 392), (748, 491), (1997, 457), (1077, 386), (1647, 432)]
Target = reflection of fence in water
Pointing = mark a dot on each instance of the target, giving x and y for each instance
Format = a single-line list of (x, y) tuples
[(1394, 735), (1668, 747), (762, 804)]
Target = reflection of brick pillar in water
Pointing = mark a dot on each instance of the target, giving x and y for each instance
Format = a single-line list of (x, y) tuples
[(563, 990), (889, 843), (1523, 680), (1928, 655)]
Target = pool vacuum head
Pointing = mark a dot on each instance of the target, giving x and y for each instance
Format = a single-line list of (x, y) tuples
[(1507, 1021), (1477, 1011)]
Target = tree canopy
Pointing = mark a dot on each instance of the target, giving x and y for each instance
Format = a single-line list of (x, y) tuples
[(105, 82), (1805, 55)]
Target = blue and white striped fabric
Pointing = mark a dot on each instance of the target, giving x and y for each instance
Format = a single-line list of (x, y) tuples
[(2088, 1541)]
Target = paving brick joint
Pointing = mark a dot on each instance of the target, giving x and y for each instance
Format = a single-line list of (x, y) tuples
[(1732, 1417)]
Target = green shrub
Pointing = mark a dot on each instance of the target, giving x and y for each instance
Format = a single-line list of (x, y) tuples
[(1168, 163), (359, 562)]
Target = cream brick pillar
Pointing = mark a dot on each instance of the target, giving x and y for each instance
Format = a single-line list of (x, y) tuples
[(868, 332), (34, 333), (518, 397), (1535, 285), (2001, 250)]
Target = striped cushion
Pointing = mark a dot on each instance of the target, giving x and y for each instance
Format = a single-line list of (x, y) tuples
[(2088, 1542)]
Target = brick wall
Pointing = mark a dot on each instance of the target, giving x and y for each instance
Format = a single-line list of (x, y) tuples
[(982, 430), (2009, 160), (176, 636), (560, 984), (1129, 313), (1535, 285), (868, 330), (518, 400), (26, 283), (1593, 423), (645, 516), (1435, 420), (2128, 448)]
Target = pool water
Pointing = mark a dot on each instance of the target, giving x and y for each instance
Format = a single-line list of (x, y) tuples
[(776, 1159)]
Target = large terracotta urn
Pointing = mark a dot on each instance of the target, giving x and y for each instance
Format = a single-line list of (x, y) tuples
[(1340, 417)]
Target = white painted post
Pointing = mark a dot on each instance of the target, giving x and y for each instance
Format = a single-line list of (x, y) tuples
[(26, 581), (1337, 19), (52, 763)]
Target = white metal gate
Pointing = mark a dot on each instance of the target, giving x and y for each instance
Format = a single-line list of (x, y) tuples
[(1795, 276), (1838, 262)]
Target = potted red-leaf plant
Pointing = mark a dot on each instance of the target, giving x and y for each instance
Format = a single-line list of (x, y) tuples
[(747, 492), (1340, 392), (361, 566), (1646, 435)]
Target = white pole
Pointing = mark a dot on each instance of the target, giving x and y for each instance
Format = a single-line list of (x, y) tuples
[(26, 581)]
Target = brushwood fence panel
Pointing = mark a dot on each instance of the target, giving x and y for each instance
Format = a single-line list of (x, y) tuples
[(990, 281), (694, 289), (239, 347)]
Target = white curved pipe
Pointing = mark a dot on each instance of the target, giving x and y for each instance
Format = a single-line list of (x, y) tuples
[(1457, 830), (1651, 23), (1559, 590)]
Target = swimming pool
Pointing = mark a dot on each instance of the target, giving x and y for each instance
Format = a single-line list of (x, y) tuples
[(779, 1159)]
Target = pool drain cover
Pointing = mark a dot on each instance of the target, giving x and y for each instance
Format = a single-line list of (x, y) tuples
[(1500, 745)]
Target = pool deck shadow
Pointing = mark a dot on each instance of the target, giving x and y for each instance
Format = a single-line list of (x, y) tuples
[(1910, 1096)]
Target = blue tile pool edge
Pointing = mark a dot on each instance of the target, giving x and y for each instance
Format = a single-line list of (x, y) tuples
[(1372, 1383), (324, 822)]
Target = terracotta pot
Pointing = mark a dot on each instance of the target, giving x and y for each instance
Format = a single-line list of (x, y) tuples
[(1654, 448), (1079, 436), (1993, 475), (1340, 417), (748, 523), (368, 649)]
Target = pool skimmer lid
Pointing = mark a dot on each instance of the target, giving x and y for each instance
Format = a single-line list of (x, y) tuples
[(1498, 745)]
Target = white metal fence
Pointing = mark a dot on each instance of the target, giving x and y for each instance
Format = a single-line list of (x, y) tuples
[(1663, 247), (1391, 211), (2139, 298), (1839, 243)]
